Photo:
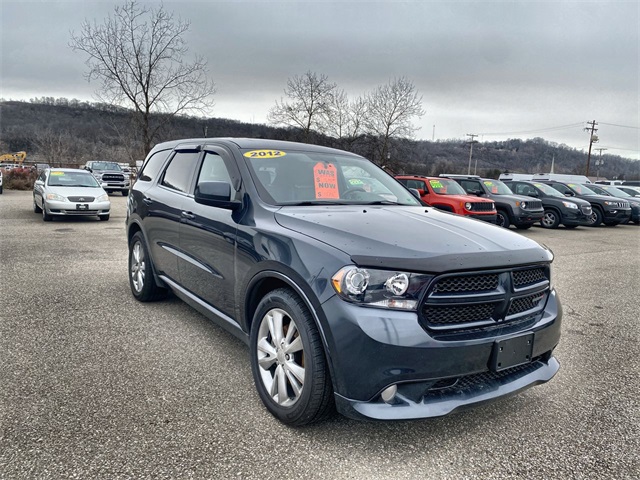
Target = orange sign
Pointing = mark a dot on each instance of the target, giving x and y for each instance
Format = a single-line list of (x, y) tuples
[(325, 178)]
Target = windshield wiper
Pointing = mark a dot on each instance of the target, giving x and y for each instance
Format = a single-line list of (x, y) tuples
[(315, 202), (382, 202)]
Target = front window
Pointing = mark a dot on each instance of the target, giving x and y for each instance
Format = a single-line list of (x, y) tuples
[(71, 179), (496, 187), (444, 186), (285, 177), (581, 189)]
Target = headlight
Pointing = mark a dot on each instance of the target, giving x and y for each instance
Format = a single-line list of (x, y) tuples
[(102, 198), (570, 205), (468, 206), (56, 197), (609, 203), (380, 288)]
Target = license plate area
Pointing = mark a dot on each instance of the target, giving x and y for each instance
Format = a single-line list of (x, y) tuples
[(512, 352), (82, 206)]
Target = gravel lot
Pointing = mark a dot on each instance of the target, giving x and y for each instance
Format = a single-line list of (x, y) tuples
[(96, 385)]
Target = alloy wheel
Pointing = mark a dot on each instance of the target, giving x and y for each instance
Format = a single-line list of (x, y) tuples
[(280, 356), (138, 267)]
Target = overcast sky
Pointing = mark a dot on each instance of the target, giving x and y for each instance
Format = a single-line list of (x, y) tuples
[(489, 68)]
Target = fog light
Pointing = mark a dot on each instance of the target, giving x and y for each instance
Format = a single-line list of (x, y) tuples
[(389, 393)]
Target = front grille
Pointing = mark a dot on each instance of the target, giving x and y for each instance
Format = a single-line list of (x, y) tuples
[(534, 205), (469, 283), (586, 209), (471, 301), (530, 276), (482, 207), (457, 314), (81, 199), (112, 177), (524, 304)]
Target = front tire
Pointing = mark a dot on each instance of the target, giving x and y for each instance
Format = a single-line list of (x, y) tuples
[(36, 208), (104, 218), (288, 362), (45, 216), (550, 219), (596, 217), (502, 219), (141, 280)]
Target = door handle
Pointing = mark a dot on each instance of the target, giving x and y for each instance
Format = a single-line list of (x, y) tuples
[(147, 201), (188, 215)]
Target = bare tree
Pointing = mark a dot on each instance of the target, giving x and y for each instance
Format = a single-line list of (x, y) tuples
[(56, 148), (310, 97), (391, 110), (139, 56)]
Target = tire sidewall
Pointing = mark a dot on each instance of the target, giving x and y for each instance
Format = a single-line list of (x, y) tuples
[(285, 300), (505, 223), (146, 287), (556, 219)]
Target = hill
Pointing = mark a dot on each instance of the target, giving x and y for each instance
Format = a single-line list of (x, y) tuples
[(61, 131)]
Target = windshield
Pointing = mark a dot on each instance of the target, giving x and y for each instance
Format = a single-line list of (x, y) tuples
[(496, 187), (552, 192), (616, 192), (581, 189), (106, 166), (444, 186), (285, 177), (72, 179)]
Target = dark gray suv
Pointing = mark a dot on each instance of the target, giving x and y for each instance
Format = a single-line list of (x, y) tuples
[(349, 292)]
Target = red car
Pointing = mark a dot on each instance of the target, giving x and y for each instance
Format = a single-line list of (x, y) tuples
[(448, 195)]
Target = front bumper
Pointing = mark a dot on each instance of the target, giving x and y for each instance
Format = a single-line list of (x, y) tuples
[(529, 218), (577, 218), (72, 209), (371, 349), (115, 185), (619, 215), (491, 218)]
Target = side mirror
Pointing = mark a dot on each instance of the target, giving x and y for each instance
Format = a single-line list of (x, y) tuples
[(533, 194), (216, 194), (88, 169), (569, 194), (416, 192)]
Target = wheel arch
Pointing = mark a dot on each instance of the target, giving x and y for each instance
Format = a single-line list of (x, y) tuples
[(269, 280), (133, 228)]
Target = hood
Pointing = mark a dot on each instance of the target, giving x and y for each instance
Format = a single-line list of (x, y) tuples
[(514, 198), (601, 198), (466, 198), (412, 238)]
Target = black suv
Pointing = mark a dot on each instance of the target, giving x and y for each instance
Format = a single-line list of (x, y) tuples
[(558, 209), (608, 210), (347, 295), (522, 212)]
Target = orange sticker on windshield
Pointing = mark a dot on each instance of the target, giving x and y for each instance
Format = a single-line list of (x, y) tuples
[(325, 180)]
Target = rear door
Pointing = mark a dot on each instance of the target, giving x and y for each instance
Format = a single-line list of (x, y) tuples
[(208, 236), (166, 202)]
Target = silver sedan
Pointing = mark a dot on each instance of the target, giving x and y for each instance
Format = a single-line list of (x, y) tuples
[(70, 192)]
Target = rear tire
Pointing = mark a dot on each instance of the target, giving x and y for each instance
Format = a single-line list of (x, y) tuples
[(288, 361), (141, 280), (523, 227)]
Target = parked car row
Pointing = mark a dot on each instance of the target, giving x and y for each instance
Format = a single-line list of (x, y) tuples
[(523, 203)]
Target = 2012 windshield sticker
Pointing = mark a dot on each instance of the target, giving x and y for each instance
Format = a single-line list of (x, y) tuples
[(265, 154)]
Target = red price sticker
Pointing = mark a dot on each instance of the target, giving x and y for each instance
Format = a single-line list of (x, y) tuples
[(325, 180)]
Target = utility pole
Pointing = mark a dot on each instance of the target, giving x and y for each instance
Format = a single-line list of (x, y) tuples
[(471, 142), (599, 161), (592, 139)]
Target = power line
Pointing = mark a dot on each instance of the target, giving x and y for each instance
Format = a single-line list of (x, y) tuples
[(560, 127), (621, 126)]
